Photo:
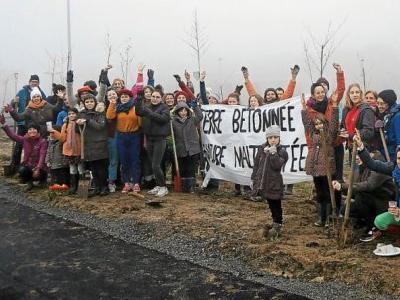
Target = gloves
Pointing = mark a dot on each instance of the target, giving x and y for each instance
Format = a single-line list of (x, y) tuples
[(272, 149), (177, 77), (266, 149), (2, 119), (70, 76), (295, 70), (379, 124), (150, 74), (193, 103), (9, 109), (238, 89)]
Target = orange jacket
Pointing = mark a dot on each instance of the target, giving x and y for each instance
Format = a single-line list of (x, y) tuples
[(126, 122), (340, 89), (251, 89), (62, 137)]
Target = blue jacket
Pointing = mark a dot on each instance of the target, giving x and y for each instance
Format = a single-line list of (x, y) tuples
[(392, 128), (61, 116), (24, 96)]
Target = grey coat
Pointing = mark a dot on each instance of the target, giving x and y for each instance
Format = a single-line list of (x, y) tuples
[(95, 135), (267, 176), (186, 135), (38, 116)]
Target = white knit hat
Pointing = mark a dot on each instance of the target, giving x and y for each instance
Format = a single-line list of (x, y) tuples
[(35, 91)]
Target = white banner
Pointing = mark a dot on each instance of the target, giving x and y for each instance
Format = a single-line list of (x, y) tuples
[(231, 135)]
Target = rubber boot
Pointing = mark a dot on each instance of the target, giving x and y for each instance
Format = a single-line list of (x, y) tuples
[(73, 184), (275, 231)]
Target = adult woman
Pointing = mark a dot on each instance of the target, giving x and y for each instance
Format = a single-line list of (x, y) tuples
[(38, 111), (358, 115), (255, 101), (95, 144), (34, 146), (156, 129), (322, 133), (128, 138), (370, 98)]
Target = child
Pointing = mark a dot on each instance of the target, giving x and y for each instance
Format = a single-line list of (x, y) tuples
[(187, 142), (95, 144), (69, 136), (33, 166), (319, 163), (267, 178), (58, 165)]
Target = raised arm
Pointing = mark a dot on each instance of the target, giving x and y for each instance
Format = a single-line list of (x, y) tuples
[(292, 83), (138, 86), (103, 80), (70, 89), (185, 89), (203, 92), (340, 82), (250, 87), (150, 77)]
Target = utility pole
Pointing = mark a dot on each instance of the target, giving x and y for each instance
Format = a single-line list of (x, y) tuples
[(363, 74), (69, 61)]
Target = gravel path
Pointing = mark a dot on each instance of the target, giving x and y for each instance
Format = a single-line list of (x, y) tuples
[(185, 248)]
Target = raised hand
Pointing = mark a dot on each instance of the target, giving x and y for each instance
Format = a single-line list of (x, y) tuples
[(245, 72), (337, 67), (108, 67), (9, 109), (177, 77), (294, 71), (187, 75), (141, 68), (70, 76), (202, 75), (238, 89), (150, 74)]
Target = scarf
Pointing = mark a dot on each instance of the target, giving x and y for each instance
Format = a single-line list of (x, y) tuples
[(126, 107), (71, 136), (396, 178), (36, 105), (319, 106)]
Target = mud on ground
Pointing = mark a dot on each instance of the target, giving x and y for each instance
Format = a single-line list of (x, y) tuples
[(234, 227)]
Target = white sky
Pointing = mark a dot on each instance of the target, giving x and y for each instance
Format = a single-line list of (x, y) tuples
[(266, 36)]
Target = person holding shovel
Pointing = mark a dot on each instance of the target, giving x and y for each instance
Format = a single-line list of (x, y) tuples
[(320, 158), (267, 178)]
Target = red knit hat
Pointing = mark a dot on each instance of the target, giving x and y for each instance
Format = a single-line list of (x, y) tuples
[(125, 92), (178, 93), (85, 88)]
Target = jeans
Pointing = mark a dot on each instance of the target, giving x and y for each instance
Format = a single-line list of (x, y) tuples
[(113, 159), (155, 149), (339, 156), (26, 174), (128, 145)]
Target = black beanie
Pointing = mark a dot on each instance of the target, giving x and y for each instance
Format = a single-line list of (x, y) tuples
[(34, 125), (388, 96), (34, 77)]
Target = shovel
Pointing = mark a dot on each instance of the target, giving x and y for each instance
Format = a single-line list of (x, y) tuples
[(177, 178), (84, 182)]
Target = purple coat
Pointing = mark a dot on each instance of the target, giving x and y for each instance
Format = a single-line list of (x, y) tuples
[(34, 149)]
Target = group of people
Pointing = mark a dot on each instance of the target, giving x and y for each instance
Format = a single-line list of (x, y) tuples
[(134, 135)]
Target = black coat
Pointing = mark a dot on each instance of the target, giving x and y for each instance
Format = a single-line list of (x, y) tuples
[(95, 135), (156, 119), (365, 122), (267, 175)]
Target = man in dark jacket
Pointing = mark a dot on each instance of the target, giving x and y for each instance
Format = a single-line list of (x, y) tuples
[(20, 102)]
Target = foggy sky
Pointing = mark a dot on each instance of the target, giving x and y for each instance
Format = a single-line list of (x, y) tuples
[(266, 36)]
